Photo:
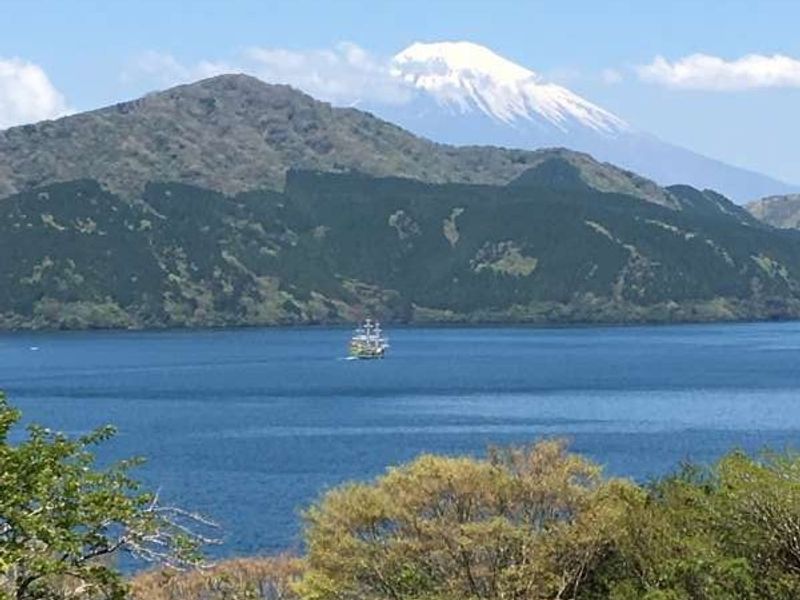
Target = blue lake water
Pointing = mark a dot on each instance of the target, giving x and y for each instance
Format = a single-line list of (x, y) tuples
[(249, 426)]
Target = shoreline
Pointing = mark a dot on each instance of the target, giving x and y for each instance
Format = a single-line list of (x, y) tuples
[(395, 325)]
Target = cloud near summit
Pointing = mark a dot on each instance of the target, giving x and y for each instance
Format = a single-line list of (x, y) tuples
[(711, 73), (345, 74), (27, 94)]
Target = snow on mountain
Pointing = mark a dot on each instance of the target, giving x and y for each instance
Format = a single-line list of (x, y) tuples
[(465, 77), (467, 94)]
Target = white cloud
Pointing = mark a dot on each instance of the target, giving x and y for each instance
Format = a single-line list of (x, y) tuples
[(611, 76), (165, 69), (26, 94), (346, 74), (565, 75), (705, 72)]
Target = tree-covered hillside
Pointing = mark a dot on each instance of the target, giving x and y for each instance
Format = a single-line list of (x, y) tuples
[(234, 133), (336, 247)]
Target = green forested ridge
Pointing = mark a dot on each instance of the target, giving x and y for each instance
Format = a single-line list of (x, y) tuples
[(235, 133), (334, 247)]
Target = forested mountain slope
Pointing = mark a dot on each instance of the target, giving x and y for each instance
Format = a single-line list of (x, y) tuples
[(336, 247)]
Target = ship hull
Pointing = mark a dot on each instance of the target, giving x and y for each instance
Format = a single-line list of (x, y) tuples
[(367, 354)]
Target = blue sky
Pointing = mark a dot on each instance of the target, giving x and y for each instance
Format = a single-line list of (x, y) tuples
[(94, 53)]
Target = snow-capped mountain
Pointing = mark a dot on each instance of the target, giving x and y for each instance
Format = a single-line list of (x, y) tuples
[(465, 93), (465, 77)]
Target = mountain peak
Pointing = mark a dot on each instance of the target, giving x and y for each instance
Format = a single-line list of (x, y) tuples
[(456, 58), (467, 77), (232, 84), (228, 79)]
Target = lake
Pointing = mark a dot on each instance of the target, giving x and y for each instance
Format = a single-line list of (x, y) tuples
[(249, 426)]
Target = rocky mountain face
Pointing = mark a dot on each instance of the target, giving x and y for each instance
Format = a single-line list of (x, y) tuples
[(778, 211), (331, 248)]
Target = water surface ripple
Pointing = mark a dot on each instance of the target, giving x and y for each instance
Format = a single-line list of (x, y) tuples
[(249, 426)]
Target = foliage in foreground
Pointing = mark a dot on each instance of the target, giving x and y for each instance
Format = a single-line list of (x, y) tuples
[(64, 520), (530, 523), (269, 578), (540, 523)]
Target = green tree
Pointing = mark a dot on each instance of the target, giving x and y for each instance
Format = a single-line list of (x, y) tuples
[(63, 519), (527, 523), (670, 548), (728, 531), (539, 523), (757, 510)]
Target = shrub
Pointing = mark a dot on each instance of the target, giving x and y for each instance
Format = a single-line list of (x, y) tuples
[(243, 579)]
